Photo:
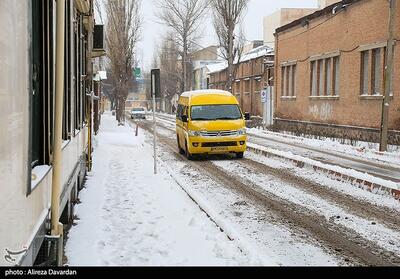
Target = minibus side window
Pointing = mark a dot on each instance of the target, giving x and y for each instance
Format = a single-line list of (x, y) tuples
[(179, 112)]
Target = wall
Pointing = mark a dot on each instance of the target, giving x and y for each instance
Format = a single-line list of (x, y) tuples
[(208, 53), (280, 18), (360, 24), (324, 3), (20, 213)]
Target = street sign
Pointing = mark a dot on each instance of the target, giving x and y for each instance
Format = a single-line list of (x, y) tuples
[(138, 72), (155, 83), (264, 95)]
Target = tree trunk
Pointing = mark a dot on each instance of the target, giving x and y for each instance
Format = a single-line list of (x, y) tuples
[(184, 65), (230, 59)]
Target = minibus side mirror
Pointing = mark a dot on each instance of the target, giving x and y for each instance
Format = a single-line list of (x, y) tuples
[(247, 116), (184, 118)]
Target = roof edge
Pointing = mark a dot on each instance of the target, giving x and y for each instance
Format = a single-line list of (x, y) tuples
[(317, 14)]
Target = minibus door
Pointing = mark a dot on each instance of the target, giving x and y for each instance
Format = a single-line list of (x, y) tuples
[(186, 117)]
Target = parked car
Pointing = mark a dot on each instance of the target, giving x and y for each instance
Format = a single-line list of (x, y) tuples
[(138, 113)]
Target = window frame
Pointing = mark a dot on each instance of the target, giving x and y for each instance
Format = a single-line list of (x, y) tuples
[(288, 80), (41, 99), (322, 69), (372, 75)]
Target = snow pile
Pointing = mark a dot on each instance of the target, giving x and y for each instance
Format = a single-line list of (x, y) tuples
[(363, 149), (344, 171)]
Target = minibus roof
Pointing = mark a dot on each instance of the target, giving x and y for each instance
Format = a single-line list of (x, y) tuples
[(206, 92), (211, 96)]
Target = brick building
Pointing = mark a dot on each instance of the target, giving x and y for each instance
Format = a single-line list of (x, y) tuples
[(255, 72), (330, 72)]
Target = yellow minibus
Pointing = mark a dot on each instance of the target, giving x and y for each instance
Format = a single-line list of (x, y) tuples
[(210, 122)]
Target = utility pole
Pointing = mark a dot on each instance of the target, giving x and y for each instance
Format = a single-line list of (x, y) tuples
[(155, 92), (388, 79)]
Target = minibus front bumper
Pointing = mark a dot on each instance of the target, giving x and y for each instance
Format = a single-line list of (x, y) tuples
[(217, 145)]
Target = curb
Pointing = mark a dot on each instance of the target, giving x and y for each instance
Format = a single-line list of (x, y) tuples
[(360, 183)]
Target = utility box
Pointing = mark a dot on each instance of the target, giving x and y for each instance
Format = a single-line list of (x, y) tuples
[(98, 37)]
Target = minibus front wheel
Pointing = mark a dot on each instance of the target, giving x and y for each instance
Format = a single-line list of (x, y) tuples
[(181, 151), (189, 156)]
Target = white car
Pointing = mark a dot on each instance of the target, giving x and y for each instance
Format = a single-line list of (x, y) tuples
[(138, 113)]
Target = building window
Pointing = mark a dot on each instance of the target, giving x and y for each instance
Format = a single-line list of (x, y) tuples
[(314, 80), (328, 77), (288, 81), (41, 83), (372, 71), (257, 85), (377, 71), (364, 73), (324, 77), (247, 86), (67, 75), (336, 75), (320, 77)]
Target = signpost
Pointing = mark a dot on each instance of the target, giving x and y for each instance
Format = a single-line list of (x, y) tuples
[(155, 92), (264, 96), (266, 100)]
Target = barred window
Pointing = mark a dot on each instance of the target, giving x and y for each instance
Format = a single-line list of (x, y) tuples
[(325, 77), (288, 86)]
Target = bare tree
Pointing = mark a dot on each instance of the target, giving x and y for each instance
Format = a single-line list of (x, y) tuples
[(228, 15), (171, 74), (183, 18), (123, 33)]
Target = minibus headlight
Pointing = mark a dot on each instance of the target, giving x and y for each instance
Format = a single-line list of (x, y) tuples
[(242, 132), (194, 133)]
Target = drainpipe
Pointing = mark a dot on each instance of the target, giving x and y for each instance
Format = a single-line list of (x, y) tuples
[(89, 72), (56, 227)]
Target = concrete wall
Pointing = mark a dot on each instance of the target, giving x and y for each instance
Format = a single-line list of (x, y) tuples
[(280, 18), (23, 216), (324, 3), (20, 214), (361, 24), (208, 53)]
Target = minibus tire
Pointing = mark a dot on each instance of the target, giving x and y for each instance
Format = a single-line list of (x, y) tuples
[(181, 151), (187, 153), (240, 155)]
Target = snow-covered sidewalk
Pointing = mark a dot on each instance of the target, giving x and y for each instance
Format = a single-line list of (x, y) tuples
[(130, 217)]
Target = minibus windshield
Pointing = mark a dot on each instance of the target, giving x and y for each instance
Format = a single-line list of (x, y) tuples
[(215, 112)]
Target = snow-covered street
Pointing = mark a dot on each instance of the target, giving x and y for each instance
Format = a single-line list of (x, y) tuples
[(218, 212), (130, 217)]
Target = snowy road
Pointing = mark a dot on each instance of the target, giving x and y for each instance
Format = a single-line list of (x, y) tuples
[(220, 211), (385, 167), (356, 226)]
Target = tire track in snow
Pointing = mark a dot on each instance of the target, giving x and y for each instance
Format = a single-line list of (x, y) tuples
[(336, 237)]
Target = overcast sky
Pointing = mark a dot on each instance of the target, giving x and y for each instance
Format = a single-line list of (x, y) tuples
[(253, 24)]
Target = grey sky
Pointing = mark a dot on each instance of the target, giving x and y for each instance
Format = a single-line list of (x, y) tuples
[(253, 24)]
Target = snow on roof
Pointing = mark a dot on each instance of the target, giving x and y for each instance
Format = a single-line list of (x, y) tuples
[(252, 54), (256, 53), (205, 63), (205, 92), (215, 68)]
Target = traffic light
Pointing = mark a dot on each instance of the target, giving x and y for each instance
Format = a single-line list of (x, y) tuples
[(155, 83)]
